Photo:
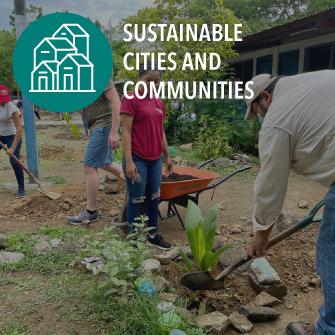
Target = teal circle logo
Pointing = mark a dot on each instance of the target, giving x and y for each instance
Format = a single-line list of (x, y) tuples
[(62, 62)]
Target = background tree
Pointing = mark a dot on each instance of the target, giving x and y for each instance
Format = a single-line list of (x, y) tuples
[(264, 14), (7, 45), (182, 12)]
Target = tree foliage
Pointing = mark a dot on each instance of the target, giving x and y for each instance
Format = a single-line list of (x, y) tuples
[(7, 45), (264, 14), (180, 12)]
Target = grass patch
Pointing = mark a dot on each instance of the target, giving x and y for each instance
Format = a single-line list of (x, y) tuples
[(63, 232), (137, 315), (55, 180), (15, 328)]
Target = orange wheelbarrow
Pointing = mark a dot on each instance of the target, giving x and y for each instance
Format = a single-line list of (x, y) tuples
[(178, 193)]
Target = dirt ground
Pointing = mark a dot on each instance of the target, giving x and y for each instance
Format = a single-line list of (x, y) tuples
[(61, 167)]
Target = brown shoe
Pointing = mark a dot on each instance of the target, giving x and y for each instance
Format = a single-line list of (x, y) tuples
[(297, 328)]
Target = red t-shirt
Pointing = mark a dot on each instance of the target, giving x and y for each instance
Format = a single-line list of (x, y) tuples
[(147, 131)]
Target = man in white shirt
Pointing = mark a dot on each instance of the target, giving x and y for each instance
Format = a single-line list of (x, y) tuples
[(298, 133)]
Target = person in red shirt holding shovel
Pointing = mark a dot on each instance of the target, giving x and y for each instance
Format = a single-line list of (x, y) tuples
[(11, 135), (144, 141)]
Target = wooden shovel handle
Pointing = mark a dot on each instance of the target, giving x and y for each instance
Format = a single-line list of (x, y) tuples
[(282, 236), (21, 165)]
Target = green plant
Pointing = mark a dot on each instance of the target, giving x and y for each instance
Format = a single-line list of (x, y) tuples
[(67, 118), (71, 126), (122, 258), (75, 131), (201, 237)]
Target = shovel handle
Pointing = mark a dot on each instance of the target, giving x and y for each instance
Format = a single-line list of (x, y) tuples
[(21, 165), (282, 236)]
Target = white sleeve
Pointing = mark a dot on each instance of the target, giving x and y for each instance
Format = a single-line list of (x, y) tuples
[(12, 108), (271, 183)]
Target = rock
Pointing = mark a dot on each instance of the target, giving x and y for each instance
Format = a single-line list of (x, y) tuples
[(168, 297), (222, 162), (93, 264), (165, 306), (114, 212), (66, 206), (3, 241), (112, 188), (240, 322), (265, 274), (241, 158), (232, 255), (260, 314), (42, 246), (187, 146), (177, 332), (174, 253), (315, 282), (7, 257), (213, 321), (161, 283), (235, 230), (111, 179), (151, 265), (288, 306), (163, 259), (266, 300), (55, 243), (303, 204), (276, 290)]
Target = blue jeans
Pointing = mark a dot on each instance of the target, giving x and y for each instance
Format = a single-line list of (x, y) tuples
[(326, 265), (8, 140), (144, 192)]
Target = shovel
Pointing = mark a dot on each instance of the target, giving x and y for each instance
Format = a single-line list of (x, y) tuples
[(51, 195), (204, 280)]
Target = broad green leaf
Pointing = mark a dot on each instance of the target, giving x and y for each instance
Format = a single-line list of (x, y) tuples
[(186, 260), (193, 223), (200, 246), (206, 261), (210, 227), (193, 215)]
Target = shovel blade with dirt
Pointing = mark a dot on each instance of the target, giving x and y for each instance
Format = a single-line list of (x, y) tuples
[(41, 188), (205, 281)]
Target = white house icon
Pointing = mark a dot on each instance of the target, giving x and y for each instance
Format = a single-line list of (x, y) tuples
[(61, 62)]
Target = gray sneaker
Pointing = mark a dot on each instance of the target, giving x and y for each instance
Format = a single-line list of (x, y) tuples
[(83, 218)]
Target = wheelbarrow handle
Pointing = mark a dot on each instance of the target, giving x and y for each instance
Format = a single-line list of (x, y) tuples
[(306, 221), (205, 163), (223, 179)]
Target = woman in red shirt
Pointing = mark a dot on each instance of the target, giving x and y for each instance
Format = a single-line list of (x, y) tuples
[(144, 142)]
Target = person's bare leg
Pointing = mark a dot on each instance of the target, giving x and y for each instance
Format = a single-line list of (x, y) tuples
[(114, 169), (92, 187)]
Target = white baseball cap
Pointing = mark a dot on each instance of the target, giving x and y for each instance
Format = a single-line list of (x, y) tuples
[(259, 84)]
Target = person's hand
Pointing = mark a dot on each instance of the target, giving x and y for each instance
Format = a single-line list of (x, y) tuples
[(169, 166), (131, 170), (114, 140), (10, 151), (258, 244)]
